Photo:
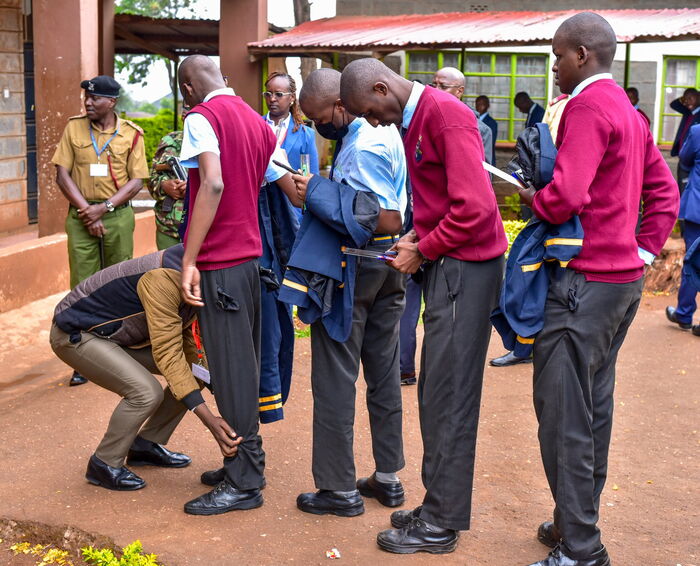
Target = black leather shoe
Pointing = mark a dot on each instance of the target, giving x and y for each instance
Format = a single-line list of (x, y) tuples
[(403, 518), (388, 494), (696, 330), (326, 502), (558, 558), (417, 536), (118, 479), (215, 477), (224, 498), (408, 378), (76, 379), (510, 359), (548, 534), (673, 317), (146, 453)]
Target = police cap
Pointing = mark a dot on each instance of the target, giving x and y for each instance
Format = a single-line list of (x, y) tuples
[(102, 85)]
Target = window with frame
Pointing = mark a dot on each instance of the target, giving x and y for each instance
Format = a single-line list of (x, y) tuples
[(497, 75), (679, 73)]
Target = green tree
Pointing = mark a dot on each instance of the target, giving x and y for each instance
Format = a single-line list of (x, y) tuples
[(139, 66)]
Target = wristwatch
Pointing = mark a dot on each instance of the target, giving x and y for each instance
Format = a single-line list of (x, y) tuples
[(109, 205)]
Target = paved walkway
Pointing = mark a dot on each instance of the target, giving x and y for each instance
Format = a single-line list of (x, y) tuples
[(649, 507)]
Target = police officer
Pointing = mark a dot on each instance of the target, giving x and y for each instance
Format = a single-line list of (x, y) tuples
[(168, 191), (100, 163)]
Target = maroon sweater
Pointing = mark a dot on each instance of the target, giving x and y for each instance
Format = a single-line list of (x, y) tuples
[(246, 143), (607, 162), (454, 207)]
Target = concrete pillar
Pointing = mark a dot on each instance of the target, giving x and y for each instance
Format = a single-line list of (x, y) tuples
[(66, 51), (242, 21)]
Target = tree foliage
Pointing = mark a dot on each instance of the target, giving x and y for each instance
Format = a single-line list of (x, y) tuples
[(138, 66)]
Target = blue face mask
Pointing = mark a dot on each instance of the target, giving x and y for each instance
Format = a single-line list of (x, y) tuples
[(329, 131)]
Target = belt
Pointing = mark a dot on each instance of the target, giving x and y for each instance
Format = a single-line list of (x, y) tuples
[(127, 203), (384, 238)]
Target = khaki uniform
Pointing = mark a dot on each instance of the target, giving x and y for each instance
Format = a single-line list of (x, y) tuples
[(126, 160)]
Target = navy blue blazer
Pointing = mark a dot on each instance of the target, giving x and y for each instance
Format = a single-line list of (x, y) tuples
[(320, 278), (520, 312), (687, 115), (491, 123), (536, 116), (690, 159)]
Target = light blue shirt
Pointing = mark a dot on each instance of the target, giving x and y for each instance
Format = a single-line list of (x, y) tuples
[(373, 160), (198, 136), (411, 104)]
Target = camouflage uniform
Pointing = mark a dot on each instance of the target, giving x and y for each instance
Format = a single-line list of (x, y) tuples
[(167, 222)]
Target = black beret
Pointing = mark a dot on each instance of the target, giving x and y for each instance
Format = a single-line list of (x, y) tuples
[(102, 85)]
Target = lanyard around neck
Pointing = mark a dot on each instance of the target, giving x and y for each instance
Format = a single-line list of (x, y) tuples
[(94, 141)]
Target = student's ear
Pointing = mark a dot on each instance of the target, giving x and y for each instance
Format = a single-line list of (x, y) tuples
[(582, 55), (381, 88)]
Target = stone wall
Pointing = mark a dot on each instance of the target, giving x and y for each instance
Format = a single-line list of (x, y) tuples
[(394, 7), (13, 161)]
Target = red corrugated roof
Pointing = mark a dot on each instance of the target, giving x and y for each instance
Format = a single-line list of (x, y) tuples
[(458, 29)]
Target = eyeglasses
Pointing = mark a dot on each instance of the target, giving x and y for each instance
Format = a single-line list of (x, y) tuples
[(443, 86), (276, 94)]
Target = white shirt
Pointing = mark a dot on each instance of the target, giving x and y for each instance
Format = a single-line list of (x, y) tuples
[(198, 136), (280, 130), (583, 84), (411, 104)]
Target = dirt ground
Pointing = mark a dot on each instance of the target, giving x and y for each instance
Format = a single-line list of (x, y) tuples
[(649, 509)]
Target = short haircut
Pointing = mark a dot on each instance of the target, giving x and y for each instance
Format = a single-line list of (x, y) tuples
[(360, 75), (522, 95), (633, 91), (484, 98), (594, 33), (321, 85)]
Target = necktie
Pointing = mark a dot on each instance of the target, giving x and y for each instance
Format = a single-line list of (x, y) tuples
[(684, 132), (338, 145)]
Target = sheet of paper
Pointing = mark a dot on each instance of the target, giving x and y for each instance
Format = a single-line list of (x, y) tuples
[(200, 372)]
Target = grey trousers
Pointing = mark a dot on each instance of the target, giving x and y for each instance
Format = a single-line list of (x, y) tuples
[(230, 323), (374, 339), (459, 297), (574, 377), (146, 409)]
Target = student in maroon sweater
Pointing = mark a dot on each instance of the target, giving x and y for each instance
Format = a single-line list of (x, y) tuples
[(607, 163), (227, 148), (460, 240)]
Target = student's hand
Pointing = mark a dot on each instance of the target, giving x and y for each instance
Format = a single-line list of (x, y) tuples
[(97, 229), (409, 259), (526, 195), (92, 213), (409, 237), (189, 286), (174, 188), (301, 183)]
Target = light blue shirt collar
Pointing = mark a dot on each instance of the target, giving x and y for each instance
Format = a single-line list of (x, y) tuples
[(696, 110), (411, 104), (590, 80), (482, 116)]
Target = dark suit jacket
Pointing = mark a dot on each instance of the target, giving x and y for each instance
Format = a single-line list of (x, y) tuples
[(536, 116), (491, 123), (687, 115)]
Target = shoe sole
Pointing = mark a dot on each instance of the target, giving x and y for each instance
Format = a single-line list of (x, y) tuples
[(398, 549), (241, 506), (527, 361), (350, 512), (139, 463), (93, 481), (382, 500)]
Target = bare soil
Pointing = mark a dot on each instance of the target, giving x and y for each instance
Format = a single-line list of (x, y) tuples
[(649, 508)]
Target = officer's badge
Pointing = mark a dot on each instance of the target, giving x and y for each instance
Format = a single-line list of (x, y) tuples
[(419, 152), (91, 86)]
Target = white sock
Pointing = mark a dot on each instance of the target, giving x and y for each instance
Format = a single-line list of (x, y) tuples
[(386, 477)]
